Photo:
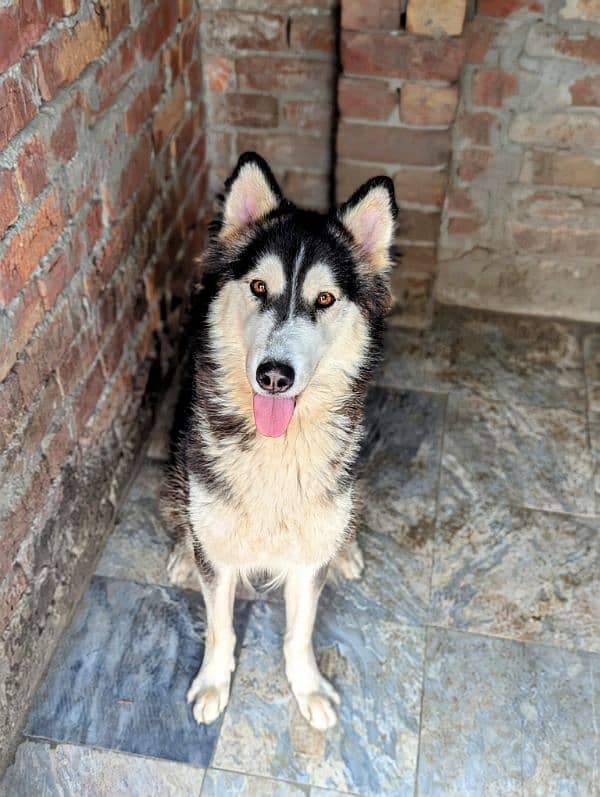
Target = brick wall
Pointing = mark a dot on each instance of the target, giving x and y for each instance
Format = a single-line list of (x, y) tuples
[(397, 98), (102, 186), (520, 225), (270, 71)]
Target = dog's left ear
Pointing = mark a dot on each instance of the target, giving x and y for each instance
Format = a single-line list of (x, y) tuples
[(370, 217), (251, 193)]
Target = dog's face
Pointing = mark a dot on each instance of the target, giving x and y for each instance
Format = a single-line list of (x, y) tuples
[(298, 291)]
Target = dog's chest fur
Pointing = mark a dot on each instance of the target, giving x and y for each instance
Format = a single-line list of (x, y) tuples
[(284, 503)]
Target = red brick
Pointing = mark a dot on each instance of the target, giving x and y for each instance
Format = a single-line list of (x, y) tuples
[(586, 91), (398, 145), (221, 73), (194, 74), (45, 351), (308, 190), (141, 108), (58, 445), (115, 15), (490, 87), (381, 15), (461, 226), (76, 361), (418, 259), (303, 151), (184, 8), (121, 236), (168, 115), (9, 209), (136, 171), (408, 57), (557, 240), (428, 105), (12, 590), (365, 99), (26, 314), (237, 30), (110, 78), (417, 225), (157, 28), (41, 417), (18, 108), (313, 32), (561, 168), (574, 130), (477, 127), (473, 162), (480, 36), (27, 246), (31, 170), (245, 110), (188, 40), (424, 187), (459, 200), (349, 177), (436, 17), (504, 8), (87, 400), (61, 8), (62, 59), (308, 115), (21, 25), (314, 78)]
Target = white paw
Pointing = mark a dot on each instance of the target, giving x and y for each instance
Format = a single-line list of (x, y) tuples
[(181, 568), (209, 701), (317, 706), (349, 563)]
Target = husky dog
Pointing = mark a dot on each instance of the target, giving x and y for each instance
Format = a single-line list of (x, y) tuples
[(286, 334)]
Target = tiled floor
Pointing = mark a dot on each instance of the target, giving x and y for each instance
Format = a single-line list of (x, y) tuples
[(468, 655)]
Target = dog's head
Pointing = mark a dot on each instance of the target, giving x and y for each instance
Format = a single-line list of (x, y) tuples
[(299, 296)]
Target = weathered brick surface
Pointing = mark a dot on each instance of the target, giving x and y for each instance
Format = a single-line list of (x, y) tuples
[(436, 17), (102, 185), (272, 67), (518, 230)]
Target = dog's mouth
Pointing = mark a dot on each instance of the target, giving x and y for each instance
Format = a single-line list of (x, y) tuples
[(272, 414)]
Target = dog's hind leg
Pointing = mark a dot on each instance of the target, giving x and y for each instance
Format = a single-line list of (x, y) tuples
[(348, 562), (209, 691), (313, 692)]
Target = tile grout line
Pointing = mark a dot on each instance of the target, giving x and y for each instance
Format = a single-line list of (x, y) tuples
[(270, 779)]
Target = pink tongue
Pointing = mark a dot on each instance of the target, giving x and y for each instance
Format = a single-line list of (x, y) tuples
[(272, 414)]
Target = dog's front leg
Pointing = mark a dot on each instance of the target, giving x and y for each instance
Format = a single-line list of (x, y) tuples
[(314, 693), (210, 688)]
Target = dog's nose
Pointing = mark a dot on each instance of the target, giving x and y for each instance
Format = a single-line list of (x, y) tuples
[(275, 377)]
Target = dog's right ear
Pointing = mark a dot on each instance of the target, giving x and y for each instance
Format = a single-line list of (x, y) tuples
[(251, 193)]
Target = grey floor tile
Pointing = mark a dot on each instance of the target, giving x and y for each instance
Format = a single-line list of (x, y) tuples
[(532, 361), (119, 676), (471, 726), (139, 546), (65, 770), (506, 718), (518, 573), (219, 783), (561, 723), (515, 453), (375, 665)]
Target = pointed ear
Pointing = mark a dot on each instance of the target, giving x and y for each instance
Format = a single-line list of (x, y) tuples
[(251, 193), (370, 216)]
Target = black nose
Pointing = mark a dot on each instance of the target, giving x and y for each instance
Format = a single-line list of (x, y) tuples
[(275, 377)]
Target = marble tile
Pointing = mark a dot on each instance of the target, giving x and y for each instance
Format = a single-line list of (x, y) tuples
[(219, 783), (518, 454), (506, 718), (65, 770), (531, 361), (139, 546), (375, 665), (119, 676), (518, 573), (561, 723)]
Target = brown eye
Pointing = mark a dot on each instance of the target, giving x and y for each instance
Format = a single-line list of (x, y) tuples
[(258, 288), (325, 299)]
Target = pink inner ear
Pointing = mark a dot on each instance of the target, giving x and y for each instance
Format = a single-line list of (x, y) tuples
[(368, 229), (248, 209)]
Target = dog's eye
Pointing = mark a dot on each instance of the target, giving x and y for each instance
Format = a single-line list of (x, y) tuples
[(258, 288), (325, 299)]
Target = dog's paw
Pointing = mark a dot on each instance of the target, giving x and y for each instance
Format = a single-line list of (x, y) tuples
[(181, 568), (317, 706), (209, 701), (349, 563)]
